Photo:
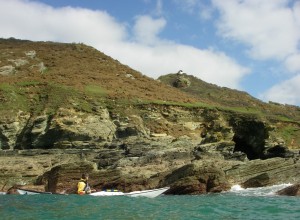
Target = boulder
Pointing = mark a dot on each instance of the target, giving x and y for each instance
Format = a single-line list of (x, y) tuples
[(198, 177), (293, 190), (182, 82), (257, 181)]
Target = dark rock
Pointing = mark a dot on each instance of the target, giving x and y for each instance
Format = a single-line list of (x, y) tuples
[(182, 82), (197, 178), (223, 149), (293, 190), (256, 173), (250, 135), (64, 178), (13, 189), (277, 151), (257, 181)]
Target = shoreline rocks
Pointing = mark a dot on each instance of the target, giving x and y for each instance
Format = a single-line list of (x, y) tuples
[(293, 190), (192, 151)]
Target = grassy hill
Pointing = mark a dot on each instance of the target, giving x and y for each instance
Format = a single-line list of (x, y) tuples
[(40, 77), (45, 74), (230, 99)]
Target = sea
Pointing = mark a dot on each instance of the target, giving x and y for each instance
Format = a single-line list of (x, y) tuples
[(238, 203)]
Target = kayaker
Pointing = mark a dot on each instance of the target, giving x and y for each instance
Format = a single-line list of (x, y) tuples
[(83, 185)]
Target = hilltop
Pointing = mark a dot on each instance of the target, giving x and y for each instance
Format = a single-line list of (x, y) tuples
[(80, 68), (68, 108), (231, 99)]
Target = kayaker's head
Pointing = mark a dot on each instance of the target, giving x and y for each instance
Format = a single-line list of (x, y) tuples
[(85, 176)]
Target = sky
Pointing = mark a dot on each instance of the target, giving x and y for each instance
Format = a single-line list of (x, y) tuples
[(249, 45)]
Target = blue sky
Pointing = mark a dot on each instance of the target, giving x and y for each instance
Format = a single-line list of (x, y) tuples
[(249, 45)]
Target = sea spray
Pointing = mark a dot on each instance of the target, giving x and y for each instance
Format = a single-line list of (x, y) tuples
[(258, 191)]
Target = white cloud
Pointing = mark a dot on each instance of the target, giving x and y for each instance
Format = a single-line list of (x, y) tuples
[(146, 29), (270, 28), (147, 53), (286, 92), (208, 65), (35, 21), (293, 63)]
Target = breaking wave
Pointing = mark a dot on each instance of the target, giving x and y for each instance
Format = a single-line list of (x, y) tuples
[(258, 191)]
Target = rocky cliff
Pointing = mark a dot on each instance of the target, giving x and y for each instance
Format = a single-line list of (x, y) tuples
[(67, 109)]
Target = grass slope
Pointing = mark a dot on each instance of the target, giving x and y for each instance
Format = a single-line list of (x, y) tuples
[(40, 77)]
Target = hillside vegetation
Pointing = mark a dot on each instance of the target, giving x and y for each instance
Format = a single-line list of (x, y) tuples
[(66, 109), (53, 74), (41, 77), (230, 99)]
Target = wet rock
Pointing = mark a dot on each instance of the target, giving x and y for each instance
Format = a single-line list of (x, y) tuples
[(13, 190), (197, 178), (293, 190), (257, 181), (264, 172)]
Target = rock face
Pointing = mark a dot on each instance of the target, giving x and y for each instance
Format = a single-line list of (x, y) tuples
[(181, 82), (68, 129), (193, 152), (66, 109), (258, 173), (11, 129), (293, 190), (197, 177)]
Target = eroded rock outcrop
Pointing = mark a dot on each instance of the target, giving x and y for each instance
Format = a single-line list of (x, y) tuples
[(67, 129), (197, 178), (11, 129), (68, 108), (194, 152), (258, 173)]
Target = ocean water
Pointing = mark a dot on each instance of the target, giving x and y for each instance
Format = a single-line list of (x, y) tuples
[(259, 203)]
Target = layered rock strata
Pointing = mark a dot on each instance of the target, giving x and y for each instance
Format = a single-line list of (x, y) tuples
[(193, 151)]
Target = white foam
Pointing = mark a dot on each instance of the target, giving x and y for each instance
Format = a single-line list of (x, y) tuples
[(259, 191), (236, 188)]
